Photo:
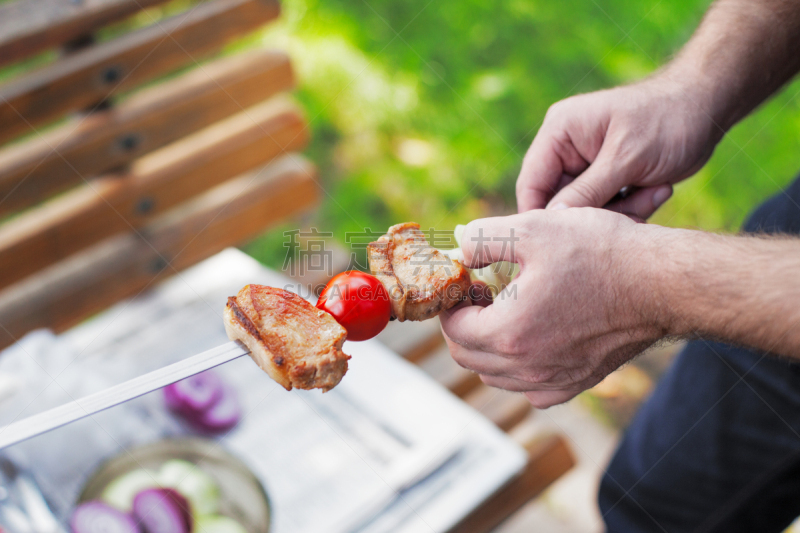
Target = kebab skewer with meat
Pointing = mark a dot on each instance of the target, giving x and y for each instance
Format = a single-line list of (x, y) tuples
[(300, 345)]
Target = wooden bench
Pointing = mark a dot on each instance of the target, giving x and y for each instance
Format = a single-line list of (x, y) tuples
[(115, 179)]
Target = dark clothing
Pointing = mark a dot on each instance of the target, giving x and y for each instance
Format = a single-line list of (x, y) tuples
[(717, 446)]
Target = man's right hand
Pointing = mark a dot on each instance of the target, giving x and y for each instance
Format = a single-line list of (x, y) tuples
[(649, 135)]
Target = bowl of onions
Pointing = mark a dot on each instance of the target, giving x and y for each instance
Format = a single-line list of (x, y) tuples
[(188, 485)]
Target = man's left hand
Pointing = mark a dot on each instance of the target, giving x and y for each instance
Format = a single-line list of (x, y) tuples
[(576, 311)]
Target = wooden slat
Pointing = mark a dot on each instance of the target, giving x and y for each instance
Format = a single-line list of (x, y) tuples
[(102, 208), (441, 367), (122, 266), (31, 26), (42, 167), (90, 76), (548, 459), (506, 409)]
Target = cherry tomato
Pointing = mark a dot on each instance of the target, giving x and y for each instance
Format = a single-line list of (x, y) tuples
[(359, 302)]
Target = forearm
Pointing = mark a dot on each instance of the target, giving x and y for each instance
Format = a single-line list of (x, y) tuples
[(743, 51), (743, 290)]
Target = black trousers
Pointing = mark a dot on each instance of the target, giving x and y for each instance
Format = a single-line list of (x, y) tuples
[(717, 446)]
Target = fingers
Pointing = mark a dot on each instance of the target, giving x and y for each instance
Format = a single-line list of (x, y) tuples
[(468, 350), (467, 328), (541, 399), (550, 163), (482, 363), (545, 399), (595, 187), (480, 294), (506, 383), (464, 327), (643, 202), (489, 240)]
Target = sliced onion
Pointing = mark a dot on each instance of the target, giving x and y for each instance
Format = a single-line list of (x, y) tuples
[(120, 492), (222, 416), (219, 524), (194, 483), (496, 276), (97, 517), (195, 394), (162, 511)]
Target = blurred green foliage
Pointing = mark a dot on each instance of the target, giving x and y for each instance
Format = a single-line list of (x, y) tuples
[(423, 110)]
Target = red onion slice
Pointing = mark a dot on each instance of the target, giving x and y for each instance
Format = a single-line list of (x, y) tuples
[(195, 394), (97, 517), (162, 511), (224, 415)]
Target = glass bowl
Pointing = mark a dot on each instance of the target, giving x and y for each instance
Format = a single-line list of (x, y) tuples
[(243, 497)]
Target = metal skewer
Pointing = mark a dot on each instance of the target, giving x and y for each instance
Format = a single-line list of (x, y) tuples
[(94, 403)]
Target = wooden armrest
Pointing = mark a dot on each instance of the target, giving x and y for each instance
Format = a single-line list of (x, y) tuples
[(96, 73), (102, 208), (42, 167), (31, 26)]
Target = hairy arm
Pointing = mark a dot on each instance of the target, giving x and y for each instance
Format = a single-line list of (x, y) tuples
[(595, 289), (743, 51), (739, 289), (663, 129)]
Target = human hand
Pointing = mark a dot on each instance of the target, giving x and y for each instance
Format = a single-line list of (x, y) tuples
[(649, 136), (579, 308)]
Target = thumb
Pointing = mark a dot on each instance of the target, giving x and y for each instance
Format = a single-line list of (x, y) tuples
[(489, 240), (594, 187)]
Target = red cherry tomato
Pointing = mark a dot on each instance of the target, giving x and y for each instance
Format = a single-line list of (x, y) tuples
[(359, 302)]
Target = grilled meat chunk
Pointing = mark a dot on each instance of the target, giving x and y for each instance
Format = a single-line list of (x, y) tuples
[(421, 280), (295, 343)]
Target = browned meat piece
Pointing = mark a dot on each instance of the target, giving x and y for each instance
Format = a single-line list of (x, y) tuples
[(295, 343), (421, 280)]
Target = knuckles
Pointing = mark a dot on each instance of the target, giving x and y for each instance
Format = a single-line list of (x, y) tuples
[(560, 109), (553, 111), (510, 345)]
